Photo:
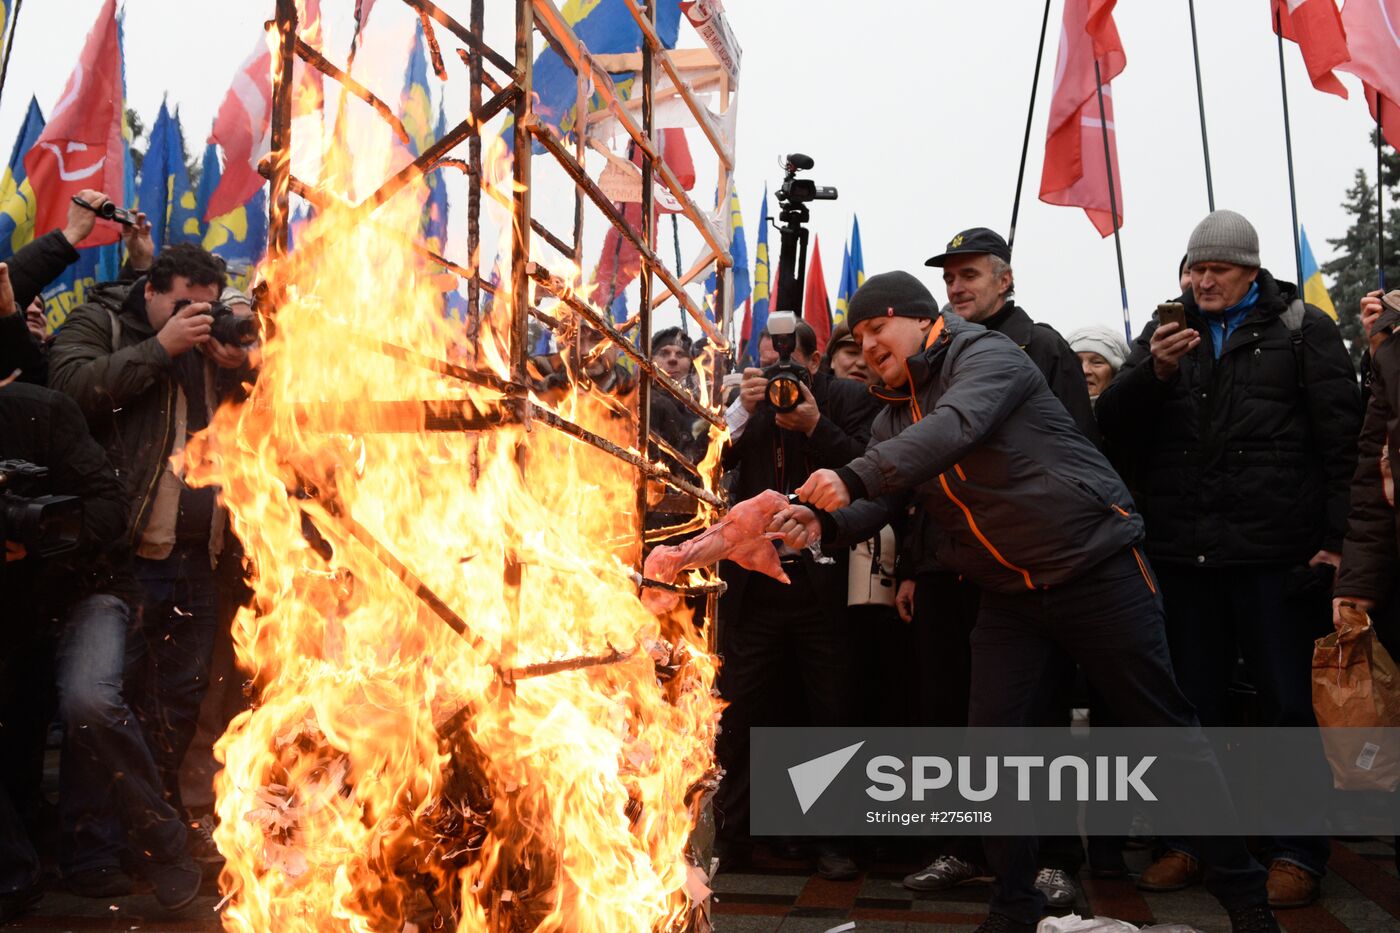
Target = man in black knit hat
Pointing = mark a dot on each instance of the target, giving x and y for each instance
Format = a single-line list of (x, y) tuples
[(1029, 510)]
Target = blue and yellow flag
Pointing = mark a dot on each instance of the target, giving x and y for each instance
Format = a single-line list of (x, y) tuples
[(852, 274), (435, 232), (1314, 289), (761, 285), (16, 195), (739, 252), (416, 104), (164, 191), (240, 236)]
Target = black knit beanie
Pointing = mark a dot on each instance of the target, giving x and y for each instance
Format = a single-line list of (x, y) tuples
[(890, 294)]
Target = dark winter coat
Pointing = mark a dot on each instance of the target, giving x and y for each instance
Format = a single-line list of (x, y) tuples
[(1370, 560), (1244, 460), (32, 268), (128, 396), (1023, 499)]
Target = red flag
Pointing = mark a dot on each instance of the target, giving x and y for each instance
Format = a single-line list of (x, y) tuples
[(1075, 174), (1316, 26), (1373, 38), (816, 308), (82, 146), (243, 124)]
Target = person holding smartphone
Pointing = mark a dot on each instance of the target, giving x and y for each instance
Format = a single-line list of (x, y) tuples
[(1239, 412)]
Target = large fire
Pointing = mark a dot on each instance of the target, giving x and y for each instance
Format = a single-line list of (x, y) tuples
[(541, 769)]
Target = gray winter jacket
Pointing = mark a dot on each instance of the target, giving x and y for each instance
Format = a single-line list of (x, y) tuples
[(1023, 499)]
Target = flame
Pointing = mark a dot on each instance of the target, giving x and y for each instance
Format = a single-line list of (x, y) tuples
[(394, 773)]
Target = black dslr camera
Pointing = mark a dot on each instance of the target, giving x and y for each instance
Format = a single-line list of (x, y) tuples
[(47, 526), (238, 330), (785, 378)]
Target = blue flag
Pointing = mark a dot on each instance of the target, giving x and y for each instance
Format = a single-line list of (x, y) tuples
[(852, 274), (164, 191), (739, 252), (240, 236), (16, 195), (761, 284)]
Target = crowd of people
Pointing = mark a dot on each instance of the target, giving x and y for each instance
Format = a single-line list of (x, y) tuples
[(1023, 526)]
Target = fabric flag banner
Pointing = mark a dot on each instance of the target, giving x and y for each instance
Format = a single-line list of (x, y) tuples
[(17, 205), (1316, 26), (604, 27), (816, 307), (83, 145), (4, 21), (239, 235), (838, 316), (1314, 289), (1075, 174), (435, 231), (852, 274), (762, 285), (165, 193), (739, 253), (1373, 39), (415, 104)]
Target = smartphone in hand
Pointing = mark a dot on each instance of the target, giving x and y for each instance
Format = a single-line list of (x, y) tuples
[(1172, 312)]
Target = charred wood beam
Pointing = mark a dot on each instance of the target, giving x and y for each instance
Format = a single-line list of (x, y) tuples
[(395, 417), (322, 64), (466, 35)]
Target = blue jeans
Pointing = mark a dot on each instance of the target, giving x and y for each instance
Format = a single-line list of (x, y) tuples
[(1270, 616), (168, 661), (109, 788), (1109, 621)]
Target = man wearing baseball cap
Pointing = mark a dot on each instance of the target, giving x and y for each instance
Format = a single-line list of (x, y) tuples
[(1029, 510), (977, 272), (1241, 428)]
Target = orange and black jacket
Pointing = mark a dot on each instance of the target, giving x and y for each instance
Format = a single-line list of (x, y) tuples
[(1022, 498), (1371, 554)]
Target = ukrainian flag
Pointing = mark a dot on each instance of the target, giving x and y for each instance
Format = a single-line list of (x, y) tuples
[(1314, 289), (240, 236), (761, 284), (165, 192), (739, 253), (17, 205), (852, 274)]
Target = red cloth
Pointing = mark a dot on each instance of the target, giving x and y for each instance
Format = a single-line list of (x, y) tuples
[(243, 124), (1373, 38), (1316, 26), (816, 308), (82, 146), (1074, 174)]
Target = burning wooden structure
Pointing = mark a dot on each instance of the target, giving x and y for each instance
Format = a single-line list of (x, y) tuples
[(464, 716)]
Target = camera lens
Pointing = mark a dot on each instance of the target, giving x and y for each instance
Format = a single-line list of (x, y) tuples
[(107, 211), (784, 392)]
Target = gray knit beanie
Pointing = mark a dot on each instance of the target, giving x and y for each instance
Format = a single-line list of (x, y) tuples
[(1224, 236), (1105, 341)]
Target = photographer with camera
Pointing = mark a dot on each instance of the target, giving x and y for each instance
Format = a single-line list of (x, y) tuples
[(41, 261), (148, 362)]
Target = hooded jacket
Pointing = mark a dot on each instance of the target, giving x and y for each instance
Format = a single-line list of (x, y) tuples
[(1370, 561), (1023, 499), (132, 401), (1245, 459)]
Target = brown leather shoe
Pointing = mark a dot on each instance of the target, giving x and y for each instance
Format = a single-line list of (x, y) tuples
[(1291, 885), (1171, 872)]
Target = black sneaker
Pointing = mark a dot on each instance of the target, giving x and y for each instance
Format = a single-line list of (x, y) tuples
[(175, 883), (199, 844), (1257, 919), (1058, 887), (944, 872), (1001, 923), (836, 865), (107, 881)]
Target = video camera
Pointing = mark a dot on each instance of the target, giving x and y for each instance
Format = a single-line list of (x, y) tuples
[(108, 210), (793, 214), (785, 378), (238, 330), (47, 526)]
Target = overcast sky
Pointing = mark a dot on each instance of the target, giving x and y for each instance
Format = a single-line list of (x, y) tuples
[(914, 110)]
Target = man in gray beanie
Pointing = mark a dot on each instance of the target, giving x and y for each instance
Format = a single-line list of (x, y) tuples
[(1240, 430), (972, 432)]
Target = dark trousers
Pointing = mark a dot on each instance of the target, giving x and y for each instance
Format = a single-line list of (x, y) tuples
[(110, 789), (26, 680), (1110, 622), (778, 626), (168, 667), (1270, 616)]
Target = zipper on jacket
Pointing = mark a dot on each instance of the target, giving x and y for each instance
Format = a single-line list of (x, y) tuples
[(972, 524), (160, 464)]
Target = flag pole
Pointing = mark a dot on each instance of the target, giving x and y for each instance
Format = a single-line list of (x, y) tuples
[(1113, 203), (1201, 104), (1288, 147), (1380, 198), (1026, 142), (9, 45)]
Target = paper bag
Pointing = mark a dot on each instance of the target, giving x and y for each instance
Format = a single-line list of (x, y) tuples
[(1356, 696)]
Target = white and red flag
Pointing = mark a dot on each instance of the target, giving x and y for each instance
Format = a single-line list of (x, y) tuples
[(1316, 26), (243, 125), (1075, 173), (1373, 39), (82, 146)]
